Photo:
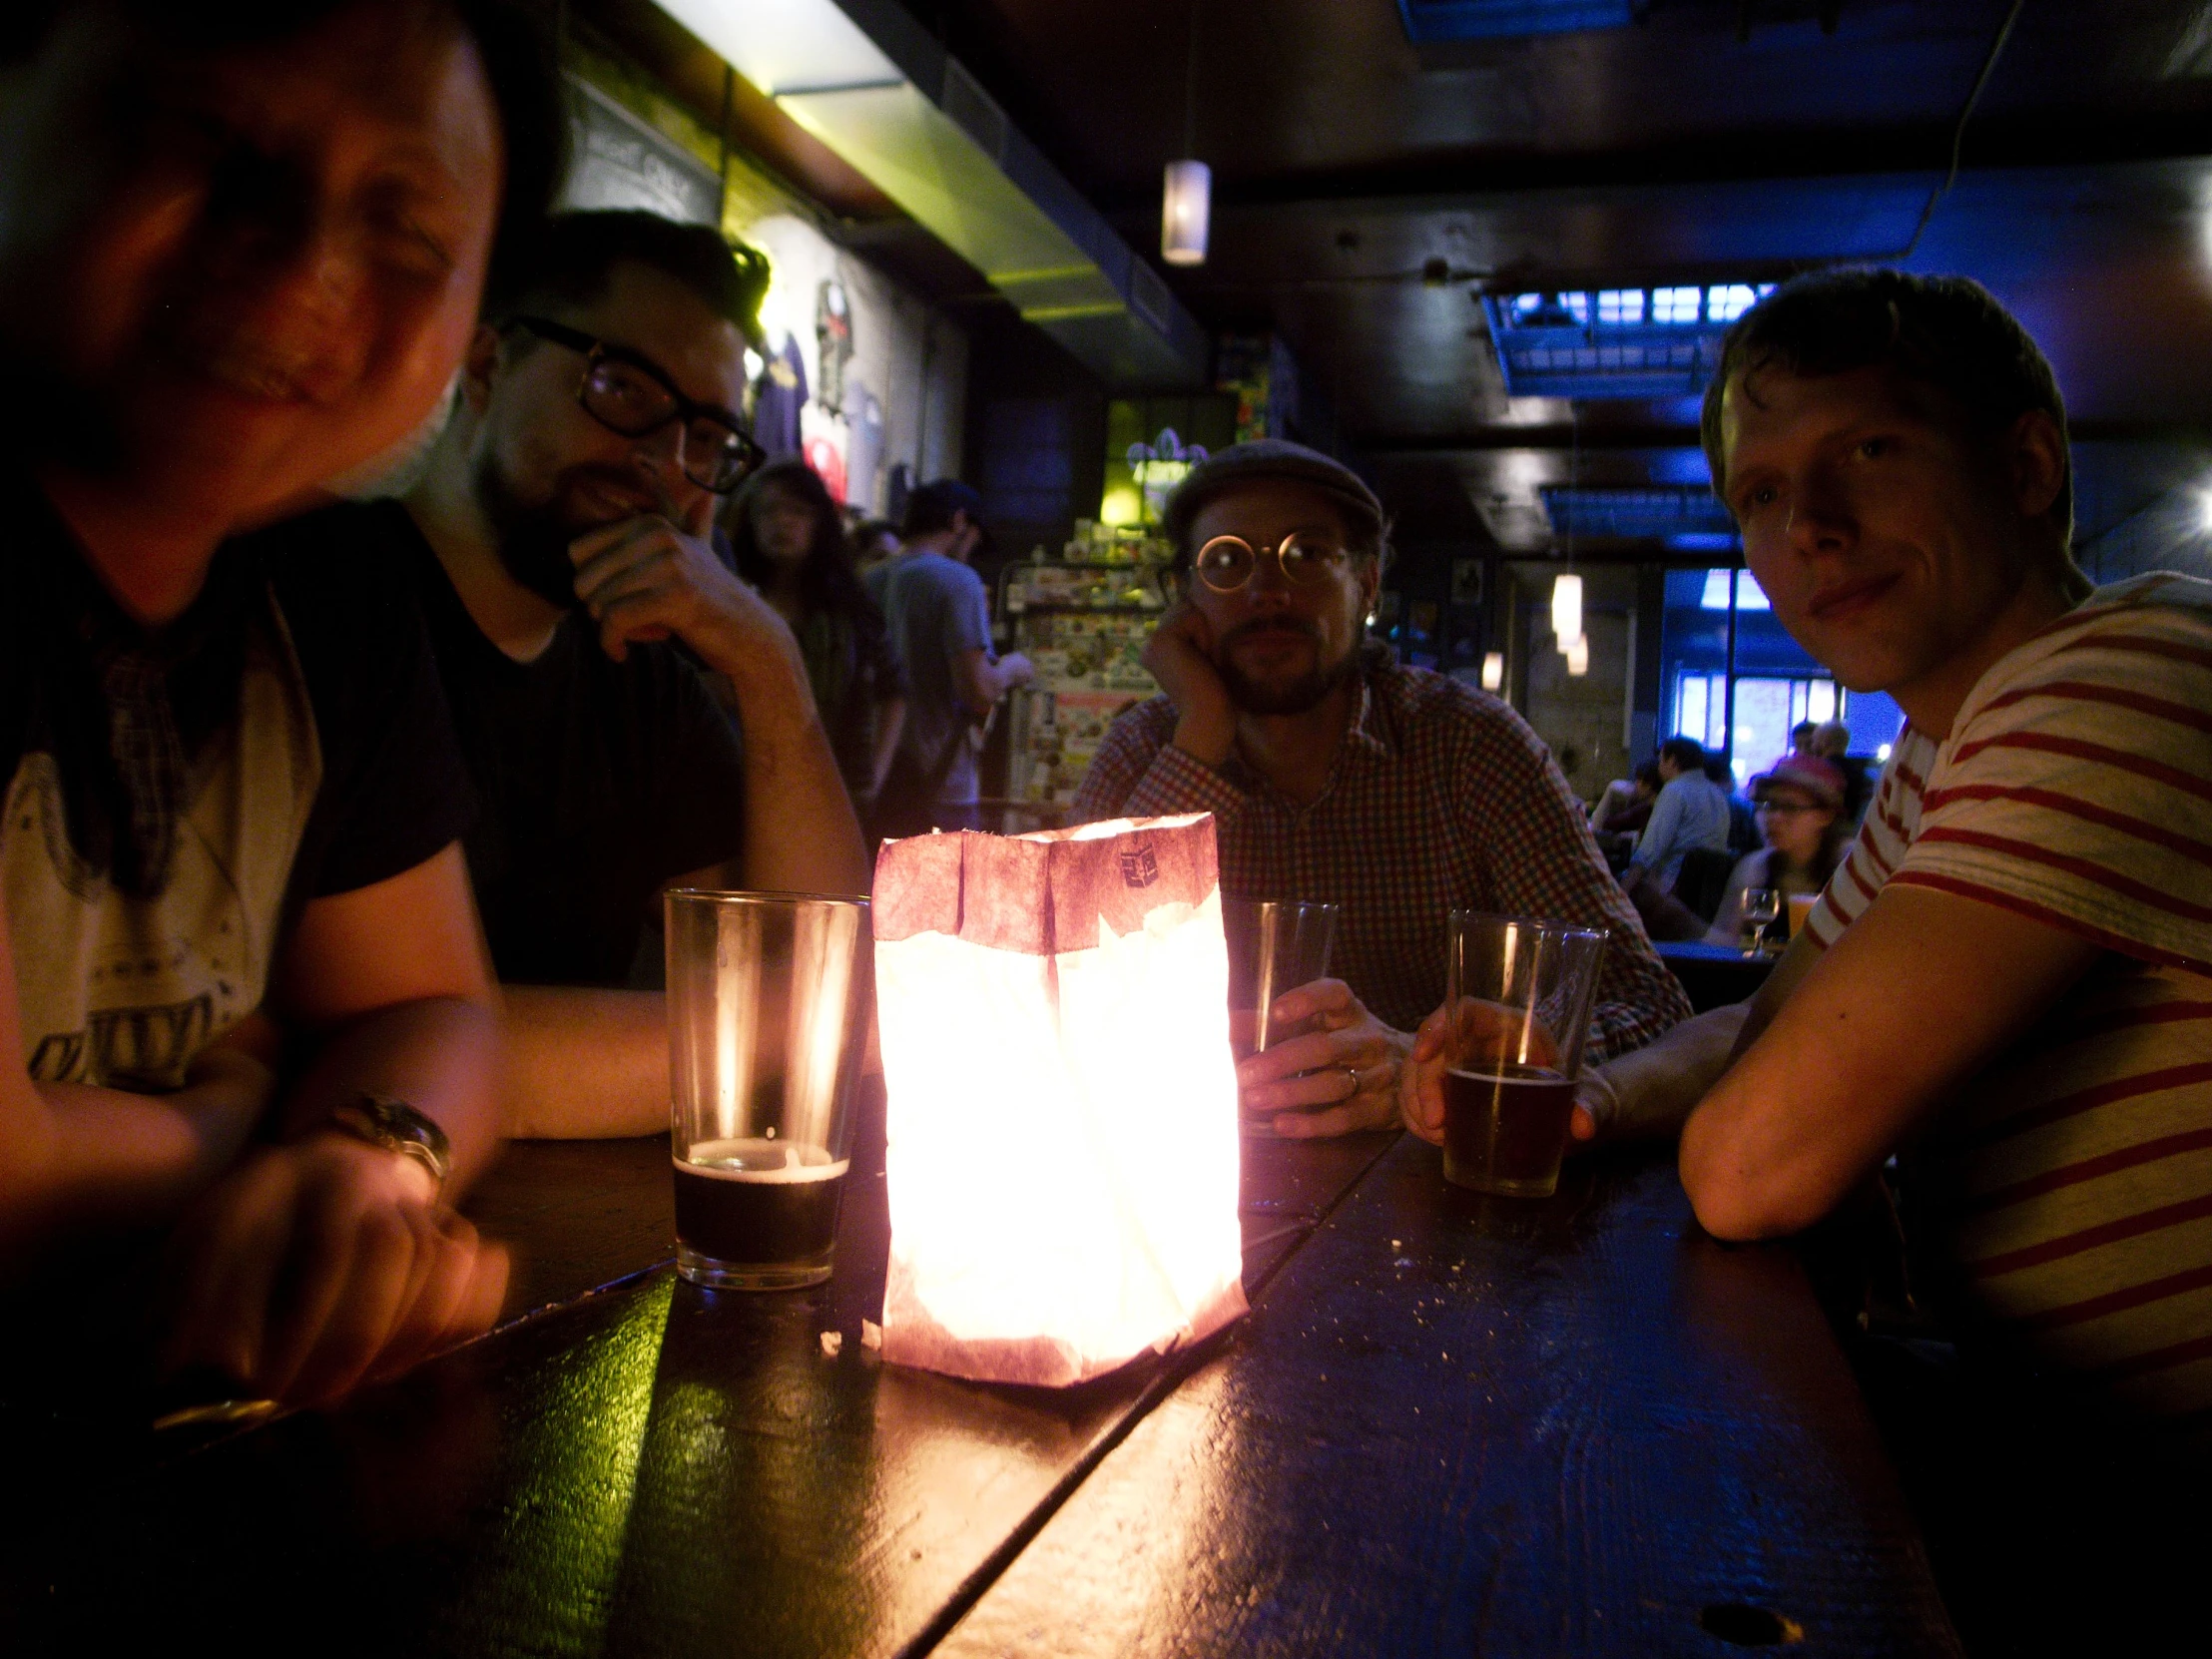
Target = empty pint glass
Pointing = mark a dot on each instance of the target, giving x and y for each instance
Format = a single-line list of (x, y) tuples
[(1274, 946), (1518, 995), (768, 1026)]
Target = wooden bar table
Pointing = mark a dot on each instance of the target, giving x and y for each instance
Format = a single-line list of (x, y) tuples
[(1562, 1428), (1460, 1425)]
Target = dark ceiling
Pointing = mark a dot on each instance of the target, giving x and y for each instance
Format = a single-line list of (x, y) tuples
[(1716, 139)]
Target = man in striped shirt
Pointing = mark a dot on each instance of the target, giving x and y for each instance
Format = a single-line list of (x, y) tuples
[(2008, 982)]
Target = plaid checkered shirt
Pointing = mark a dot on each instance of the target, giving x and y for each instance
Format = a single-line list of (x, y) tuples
[(1440, 798)]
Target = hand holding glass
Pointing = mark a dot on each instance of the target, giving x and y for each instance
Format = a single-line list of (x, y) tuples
[(1518, 995), (1273, 947)]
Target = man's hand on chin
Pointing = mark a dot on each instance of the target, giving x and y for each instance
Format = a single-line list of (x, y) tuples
[(1180, 657), (645, 579)]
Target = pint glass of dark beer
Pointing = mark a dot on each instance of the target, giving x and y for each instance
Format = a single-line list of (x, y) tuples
[(1520, 994), (768, 1026)]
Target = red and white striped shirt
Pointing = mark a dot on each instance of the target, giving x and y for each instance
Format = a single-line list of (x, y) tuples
[(2065, 1200)]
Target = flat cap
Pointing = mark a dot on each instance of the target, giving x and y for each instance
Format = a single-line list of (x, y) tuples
[(1273, 458)]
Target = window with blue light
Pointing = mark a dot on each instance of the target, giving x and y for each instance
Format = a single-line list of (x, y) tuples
[(1741, 692), (1675, 305), (1750, 596), (1620, 307), (1728, 303)]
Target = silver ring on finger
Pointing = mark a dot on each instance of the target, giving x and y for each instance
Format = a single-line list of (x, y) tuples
[(1352, 1072)]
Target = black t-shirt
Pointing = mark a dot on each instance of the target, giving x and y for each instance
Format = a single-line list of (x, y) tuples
[(174, 798), (597, 781)]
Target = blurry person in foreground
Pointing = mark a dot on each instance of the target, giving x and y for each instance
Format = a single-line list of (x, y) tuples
[(1338, 775), (243, 996), (2007, 983)]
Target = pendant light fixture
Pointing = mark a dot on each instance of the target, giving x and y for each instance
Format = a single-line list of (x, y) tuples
[(1184, 209), (1185, 194), (1566, 608)]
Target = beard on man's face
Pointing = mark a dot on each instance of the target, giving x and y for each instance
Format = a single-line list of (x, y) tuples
[(534, 536), (1282, 696)]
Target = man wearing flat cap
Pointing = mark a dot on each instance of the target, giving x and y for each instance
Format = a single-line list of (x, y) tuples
[(1336, 775)]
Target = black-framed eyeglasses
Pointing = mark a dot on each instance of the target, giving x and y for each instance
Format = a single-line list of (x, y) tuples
[(1227, 563), (631, 395)]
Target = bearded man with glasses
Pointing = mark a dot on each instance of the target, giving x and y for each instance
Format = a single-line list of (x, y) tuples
[(1339, 775), (558, 539)]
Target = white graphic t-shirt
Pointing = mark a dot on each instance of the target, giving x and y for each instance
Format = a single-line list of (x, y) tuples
[(172, 799)]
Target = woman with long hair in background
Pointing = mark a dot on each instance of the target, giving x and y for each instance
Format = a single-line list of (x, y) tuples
[(789, 541)]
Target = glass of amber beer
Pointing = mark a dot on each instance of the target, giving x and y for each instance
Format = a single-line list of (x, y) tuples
[(1518, 993), (768, 1027)]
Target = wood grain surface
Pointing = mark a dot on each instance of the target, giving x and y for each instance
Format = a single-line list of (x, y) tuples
[(576, 1216), (1457, 1426)]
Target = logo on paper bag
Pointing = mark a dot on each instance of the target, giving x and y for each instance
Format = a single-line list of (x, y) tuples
[(1139, 869)]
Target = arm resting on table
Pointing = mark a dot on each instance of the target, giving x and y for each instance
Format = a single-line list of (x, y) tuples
[(75, 1158), (392, 985), (1648, 1093), (1917, 996), (323, 1260), (585, 1063)]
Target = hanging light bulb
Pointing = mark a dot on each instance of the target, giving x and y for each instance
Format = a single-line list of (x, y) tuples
[(1566, 609), (1579, 655), (1185, 205), (1493, 669)]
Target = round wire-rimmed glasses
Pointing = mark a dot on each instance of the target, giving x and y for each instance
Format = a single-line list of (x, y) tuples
[(1227, 563), (634, 397)]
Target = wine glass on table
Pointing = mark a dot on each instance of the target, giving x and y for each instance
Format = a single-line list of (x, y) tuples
[(1762, 909)]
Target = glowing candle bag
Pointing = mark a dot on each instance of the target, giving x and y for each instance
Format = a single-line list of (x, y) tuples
[(768, 1027), (1063, 1104)]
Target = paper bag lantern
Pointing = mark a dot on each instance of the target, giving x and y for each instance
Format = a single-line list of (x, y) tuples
[(1062, 1103)]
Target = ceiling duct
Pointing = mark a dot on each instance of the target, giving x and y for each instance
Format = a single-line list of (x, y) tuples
[(867, 81), (1430, 22), (1615, 342), (1687, 518)]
